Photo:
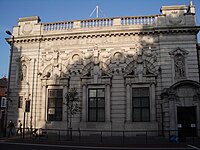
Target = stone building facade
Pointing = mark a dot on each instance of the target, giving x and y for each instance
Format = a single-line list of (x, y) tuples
[(131, 73)]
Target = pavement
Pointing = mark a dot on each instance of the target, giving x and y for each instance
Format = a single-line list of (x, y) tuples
[(96, 141)]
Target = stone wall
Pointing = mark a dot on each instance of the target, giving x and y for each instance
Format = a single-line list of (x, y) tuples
[(113, 53)]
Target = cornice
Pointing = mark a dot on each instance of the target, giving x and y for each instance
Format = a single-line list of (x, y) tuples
[(177, 29), (113, 33)]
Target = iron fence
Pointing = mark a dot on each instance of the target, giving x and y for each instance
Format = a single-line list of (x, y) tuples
[(108, 136)]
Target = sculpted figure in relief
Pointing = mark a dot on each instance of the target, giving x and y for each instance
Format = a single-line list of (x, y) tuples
[(22, 72), (179, 65)]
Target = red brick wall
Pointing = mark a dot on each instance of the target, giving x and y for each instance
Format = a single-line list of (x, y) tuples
[(2, 92)]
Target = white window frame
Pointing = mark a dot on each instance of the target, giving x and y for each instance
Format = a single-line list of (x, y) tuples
[(3, 102)]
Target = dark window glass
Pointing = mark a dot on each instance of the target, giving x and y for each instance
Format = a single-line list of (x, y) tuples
[(136, 114), (20, 101), (96, 105), (55, 102), (140, 104)]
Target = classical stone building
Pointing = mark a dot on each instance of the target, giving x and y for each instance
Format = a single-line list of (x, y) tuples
[(131, 73)]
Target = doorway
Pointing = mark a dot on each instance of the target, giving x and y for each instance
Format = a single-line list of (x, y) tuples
[(186, 119)]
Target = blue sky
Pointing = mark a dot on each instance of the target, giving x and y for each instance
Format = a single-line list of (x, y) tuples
[(62, 10)]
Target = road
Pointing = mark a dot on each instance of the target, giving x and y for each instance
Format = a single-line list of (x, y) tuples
[(28, 146)]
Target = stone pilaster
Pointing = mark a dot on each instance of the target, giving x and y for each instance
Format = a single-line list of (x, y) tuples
[(84, 104), (107, 107), (128, 103)]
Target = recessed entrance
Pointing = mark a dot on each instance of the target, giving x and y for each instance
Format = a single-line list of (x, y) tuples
[(186, 118)]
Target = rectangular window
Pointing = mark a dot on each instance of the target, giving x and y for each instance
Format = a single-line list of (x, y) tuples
[(55, 104), (3, 101), (20, 101), (140, 104), (96, 105)]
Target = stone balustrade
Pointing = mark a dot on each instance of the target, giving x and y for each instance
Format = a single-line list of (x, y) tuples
[(58, 26), (99, 22), (139, 20)]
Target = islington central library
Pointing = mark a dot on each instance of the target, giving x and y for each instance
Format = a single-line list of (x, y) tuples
[(131, 73)]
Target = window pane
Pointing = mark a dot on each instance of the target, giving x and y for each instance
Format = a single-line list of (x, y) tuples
[(136, 92), (145, 114), (100, 93), (52, 102), (144, 92), (136, 114), (101, 102), (92, 93), (52, 93), (51, 117), (51, 111), (58, 116), (101, 115), (92, 102), (141, 92), (136, 102), (59, 102), (59, 93), (92, 115), (145, 102)]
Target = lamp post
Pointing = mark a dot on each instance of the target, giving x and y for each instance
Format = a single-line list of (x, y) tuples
[(8, 82)]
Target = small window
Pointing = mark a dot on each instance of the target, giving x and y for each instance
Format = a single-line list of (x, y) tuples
[(20, 101), (3, 102)]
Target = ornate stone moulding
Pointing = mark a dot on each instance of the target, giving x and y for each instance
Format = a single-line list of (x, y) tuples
[(96, 35)]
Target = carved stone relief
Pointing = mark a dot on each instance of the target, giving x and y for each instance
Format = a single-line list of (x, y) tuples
[(178, 61), (27, 28), (144, 61), (175, 18), (22, 71)]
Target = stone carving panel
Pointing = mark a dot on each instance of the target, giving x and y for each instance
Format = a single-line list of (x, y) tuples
[(22, 69), (27, 28), (178, 61)]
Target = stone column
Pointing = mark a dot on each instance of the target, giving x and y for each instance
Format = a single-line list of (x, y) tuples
[(107, 107), (84, 103), (128, 103)]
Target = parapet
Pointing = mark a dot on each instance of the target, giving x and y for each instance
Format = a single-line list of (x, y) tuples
[(173, 16)]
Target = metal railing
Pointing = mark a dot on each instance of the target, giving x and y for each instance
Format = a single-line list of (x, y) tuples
[(107, 136)]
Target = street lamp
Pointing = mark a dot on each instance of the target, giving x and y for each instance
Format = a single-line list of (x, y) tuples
[(9, 72)]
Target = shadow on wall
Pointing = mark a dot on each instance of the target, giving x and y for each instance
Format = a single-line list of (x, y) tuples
[(88, 63)]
